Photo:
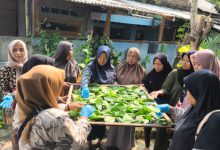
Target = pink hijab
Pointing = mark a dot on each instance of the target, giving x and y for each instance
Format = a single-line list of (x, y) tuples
[(12, 61), (208, 60)]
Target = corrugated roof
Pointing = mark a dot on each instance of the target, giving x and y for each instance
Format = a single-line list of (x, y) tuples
[(207, 7), (149, 8), (136, 6)]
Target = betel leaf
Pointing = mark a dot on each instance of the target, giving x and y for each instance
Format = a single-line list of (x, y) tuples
[(109, 119), (127, 119), (127, 104)]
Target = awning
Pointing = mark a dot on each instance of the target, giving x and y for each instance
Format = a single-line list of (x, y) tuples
[(152, 9), (136, 6)]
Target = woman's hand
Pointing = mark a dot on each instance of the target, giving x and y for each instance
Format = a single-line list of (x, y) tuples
[(155, 94), (75, 105)]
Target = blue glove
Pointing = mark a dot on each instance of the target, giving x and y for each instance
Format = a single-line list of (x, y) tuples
[(87, 111), (160, 100), (163, 108), (85, 92), (7, 101)]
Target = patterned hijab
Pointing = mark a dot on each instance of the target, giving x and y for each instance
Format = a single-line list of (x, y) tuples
[(102, 74), (70, 67), (208, 60), (12, 61), (130, 74), (37, 88)]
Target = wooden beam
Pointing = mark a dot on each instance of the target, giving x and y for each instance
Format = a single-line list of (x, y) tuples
[(35, 15), (106, 32), (162, 23)]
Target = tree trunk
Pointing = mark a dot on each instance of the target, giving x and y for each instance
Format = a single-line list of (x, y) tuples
[(193, 15)]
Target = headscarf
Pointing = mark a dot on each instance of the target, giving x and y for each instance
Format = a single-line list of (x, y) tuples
[(154, 80), (208, 60), (130, 74), (12, 61), (102, 74), (209, 136), (71, 66), (204, 86), (38, 87), (184, 73), (37, 60)]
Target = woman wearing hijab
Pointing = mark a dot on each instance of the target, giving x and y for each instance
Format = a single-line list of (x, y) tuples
[(209, 129), (203, 93), (17, 56), (45, 60), (171, 89), (64, 60), (100, 71), (127, 72), (35, 60), (153, 82), (42, 125), (206, 59)]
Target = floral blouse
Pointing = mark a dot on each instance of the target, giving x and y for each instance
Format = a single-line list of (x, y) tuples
[(7, 79), (54, 130)]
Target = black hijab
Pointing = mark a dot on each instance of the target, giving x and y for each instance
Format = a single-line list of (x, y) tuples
[(154, 80), (102, 74), (210, 130), (204, 87), (184, 73), (71, 67), (62, 51), (37, 60)]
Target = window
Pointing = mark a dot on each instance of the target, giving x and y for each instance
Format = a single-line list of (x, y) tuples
[(60, 26), (55, 10), (45, 9)]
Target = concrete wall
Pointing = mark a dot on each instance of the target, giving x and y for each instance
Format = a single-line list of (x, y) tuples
[(120, 46)]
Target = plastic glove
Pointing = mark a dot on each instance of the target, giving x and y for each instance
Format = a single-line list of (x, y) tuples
[(7, 101), (85, 92), (87, 111), (163, 108), (160, 100)]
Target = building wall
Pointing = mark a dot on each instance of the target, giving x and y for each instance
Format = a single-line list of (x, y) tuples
[(8, 17)]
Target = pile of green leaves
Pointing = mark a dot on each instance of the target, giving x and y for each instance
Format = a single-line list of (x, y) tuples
[(119, 104)]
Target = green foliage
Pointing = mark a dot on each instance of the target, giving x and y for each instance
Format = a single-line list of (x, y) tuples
[(216, 2), (119, 104), (182, 31), (90, 47), (1, 119), (212, 42), (47, 41)]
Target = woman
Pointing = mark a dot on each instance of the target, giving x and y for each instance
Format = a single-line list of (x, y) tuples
[(173, 85), (17, 56), (64, 60), (127, 72), (100, 71), (209, 129), (154, 80), (203, 93), (171, 89), (42, 125), (35, 60), (206, 59)]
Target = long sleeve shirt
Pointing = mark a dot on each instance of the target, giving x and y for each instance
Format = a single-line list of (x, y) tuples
[(53, 129)]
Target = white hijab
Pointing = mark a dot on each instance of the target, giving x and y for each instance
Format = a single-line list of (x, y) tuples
[(12, 61)]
